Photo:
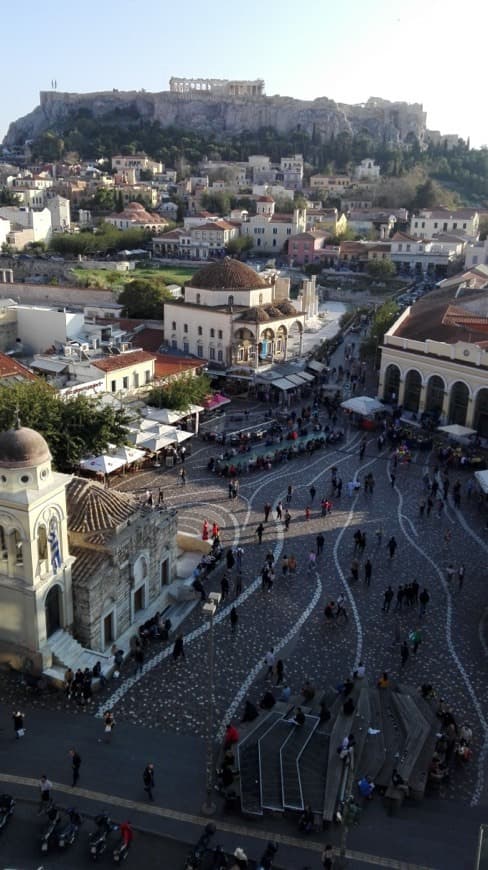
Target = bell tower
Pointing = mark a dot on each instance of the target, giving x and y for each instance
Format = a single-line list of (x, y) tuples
[(35, 565)]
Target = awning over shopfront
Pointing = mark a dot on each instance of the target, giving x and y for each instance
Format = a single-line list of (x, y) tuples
[(482, 478), (284, 384), (315, 366)]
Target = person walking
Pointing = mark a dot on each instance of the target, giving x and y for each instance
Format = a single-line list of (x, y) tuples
[(430, 505), (424, 599), (234, 618), (387, 599), (45, 789), (461, 572), (355, 570), (392, 545), (279, 510), (259, 532), (312, 558), (148, 780), (280, 671), (287, 520), (399, 598), (75, 766), (289, 493), (416, 640), (269, 661), (368, 571), (392, 479), (19, 727), (108, 726), (178, 648), (404, 652), (183, 477), (320, 541), (312, 492), (450, 571), (139, 660), (224, 586), (267, 511)]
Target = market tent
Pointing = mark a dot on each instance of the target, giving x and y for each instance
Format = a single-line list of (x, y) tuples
[(482, 478), (166, 415), (103, 464), (215, 401), (157, 442), (296, 379), (315, 366), (363, 405), (305, 376), (129, 454), (284, 384), (182, 436), (456, 431)]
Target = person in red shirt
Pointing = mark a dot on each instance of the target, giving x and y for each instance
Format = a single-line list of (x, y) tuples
[(231, 736)]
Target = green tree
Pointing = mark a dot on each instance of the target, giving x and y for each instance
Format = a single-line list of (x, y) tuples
[(181, 392), (8, 197), (483, 228), (381, 269), (73, 428), (217, 203), (238, 247), (383, 319), (144, 299)]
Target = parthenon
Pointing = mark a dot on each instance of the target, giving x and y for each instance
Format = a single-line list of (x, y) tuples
[(223, 87)]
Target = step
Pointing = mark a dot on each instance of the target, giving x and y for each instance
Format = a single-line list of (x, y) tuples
[(248, 763), (417, 731), (290, 756), (373, 755), (312, 767), (270, 765), (394, 737)]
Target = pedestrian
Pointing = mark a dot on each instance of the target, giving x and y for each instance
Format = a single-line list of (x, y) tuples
[(75, 766), (269, 661), (292, 564), (450, 573), (230, 559), (279, 510), (387, 599), (339, 487), (399, 598), (267, 511), (284, 565), (320, 541), (355, 570), (160, 497), (424, 599), (178, 648), (392, 479), (238, 588), (327, 857), (183, 477), (362, 450), (148, 780), (379, 537), (392, 545), (287, 520), (416, 640), (312, 492), (108, 725), (430, 505), (139, 660), (461, 571), (289, 493), (19, 728), (224, 586), (422, 507), (307, 513), (440, 508), (239, 552), (259, 532), (45, 788), (368, 571), (311, 560), (404, 652), (234, 618), (280, 670)]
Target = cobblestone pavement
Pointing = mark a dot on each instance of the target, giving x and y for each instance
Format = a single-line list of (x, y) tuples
[(453, 653)]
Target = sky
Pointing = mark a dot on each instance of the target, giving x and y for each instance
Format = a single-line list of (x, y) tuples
[(421, 51)]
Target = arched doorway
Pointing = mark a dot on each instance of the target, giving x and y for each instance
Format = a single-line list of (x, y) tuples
[(52, 608), (481, 413), (458, 405), (434, 398), (391, 384), (413, 385)]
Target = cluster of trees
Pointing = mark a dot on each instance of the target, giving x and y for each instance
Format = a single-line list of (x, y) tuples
[(73, 428), (179, 393), (144, 298), (107, 239), (384, 317)]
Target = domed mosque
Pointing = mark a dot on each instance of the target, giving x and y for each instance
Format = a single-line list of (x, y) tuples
[(235, 317)]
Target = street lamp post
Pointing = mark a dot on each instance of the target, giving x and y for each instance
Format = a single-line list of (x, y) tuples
[(210, 607)]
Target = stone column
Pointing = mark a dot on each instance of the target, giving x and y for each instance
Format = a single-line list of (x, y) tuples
[(445, 407)]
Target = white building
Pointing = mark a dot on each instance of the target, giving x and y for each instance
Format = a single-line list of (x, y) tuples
[(40, 329), (367, 170), (435, 358), (233, 316), (270, 232), (60, 210), (429, 222), (291, 169), (36, 223), (476, 254), (137, 162), (425, 255), (135, 217), (4, 230)]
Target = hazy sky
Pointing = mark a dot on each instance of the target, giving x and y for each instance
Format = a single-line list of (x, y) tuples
[(427, 51)]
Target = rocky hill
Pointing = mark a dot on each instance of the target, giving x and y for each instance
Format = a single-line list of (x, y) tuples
[(390, 123)]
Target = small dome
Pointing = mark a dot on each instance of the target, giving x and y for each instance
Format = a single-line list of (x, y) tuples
[(22, 448), (273, 312), (286, 307), (227, 274), (255, 314)]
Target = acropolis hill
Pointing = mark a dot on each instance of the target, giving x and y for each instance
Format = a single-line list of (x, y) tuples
[(227, 108)]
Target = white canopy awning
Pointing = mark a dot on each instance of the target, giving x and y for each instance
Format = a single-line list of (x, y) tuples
[(456, 431), (168, 416), (482, 478), (103, 464), (129, 454), (363, 405), (284, 384), (306, 376), (315, 366)]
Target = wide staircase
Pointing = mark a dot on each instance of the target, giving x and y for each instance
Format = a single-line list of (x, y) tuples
[(286, 767), (68, 653)]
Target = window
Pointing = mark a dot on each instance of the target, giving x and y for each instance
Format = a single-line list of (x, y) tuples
[(275, 231), (200, 330), (220, 355), (147, 376), (416, 224), (19, 556), (125, 383), (212, 333), (408, 248), (186, 347), (230, 300), (400, 247), (164, 572), (274, 243), (200, 350), (211, 353), (220, 334), (174, 344), (288, 232), (113, 386), (464, 226), (198, 298), (139, 599), (173, 326), (185, 327), (454, 226), (423, 224)]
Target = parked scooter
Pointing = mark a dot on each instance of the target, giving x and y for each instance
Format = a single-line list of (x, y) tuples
[(53, 820), (7, 805), (69, 833), (122, 849), (98, 839)]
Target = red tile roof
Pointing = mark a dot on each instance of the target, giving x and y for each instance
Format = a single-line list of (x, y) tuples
[(123, 360), (149, 339), (10, 368), (167, 365)]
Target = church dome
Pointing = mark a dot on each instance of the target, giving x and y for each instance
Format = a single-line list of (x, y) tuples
[(23, 448), (227, 274)]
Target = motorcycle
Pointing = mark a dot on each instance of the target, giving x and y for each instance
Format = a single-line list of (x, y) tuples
[(194, 860), (98, 839), (53, 820), (122, 849), (69, 833), (7, 805)]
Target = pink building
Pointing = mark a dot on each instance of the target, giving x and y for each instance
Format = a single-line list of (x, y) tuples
[(311, 247)]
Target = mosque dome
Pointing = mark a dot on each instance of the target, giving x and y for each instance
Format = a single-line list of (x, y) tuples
[(227, 274), (23, 448)]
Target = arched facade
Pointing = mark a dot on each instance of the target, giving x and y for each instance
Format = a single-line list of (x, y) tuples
[(413, 387), (53, 609), (391, 387), (458, 403), (480, 418), (434, 397)]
